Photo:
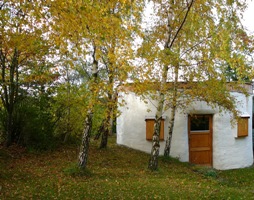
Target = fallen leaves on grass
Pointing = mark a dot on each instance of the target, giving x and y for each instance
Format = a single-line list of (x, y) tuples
[(115, 173)]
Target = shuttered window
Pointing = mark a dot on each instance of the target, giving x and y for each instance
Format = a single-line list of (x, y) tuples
[(243, 123), (150, 129)]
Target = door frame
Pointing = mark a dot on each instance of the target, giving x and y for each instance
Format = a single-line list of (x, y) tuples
[(210, 131)]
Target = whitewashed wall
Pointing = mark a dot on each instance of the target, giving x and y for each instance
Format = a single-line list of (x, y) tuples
[(229, 152)]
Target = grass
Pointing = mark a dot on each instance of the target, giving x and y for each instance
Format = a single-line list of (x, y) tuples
[(114, 173)]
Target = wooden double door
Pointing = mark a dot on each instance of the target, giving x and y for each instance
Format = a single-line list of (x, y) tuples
[(200, 139)]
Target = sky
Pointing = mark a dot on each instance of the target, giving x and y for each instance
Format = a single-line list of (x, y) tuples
[(248, 18)]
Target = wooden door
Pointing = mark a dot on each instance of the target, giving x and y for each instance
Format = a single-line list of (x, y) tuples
[(200, 139)]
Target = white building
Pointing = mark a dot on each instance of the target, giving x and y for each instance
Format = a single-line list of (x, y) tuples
[(205, 137)]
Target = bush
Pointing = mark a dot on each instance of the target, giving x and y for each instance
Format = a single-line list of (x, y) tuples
[(32, 123)]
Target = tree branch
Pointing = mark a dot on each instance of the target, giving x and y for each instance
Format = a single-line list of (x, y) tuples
[(180, 27), (193, 47)]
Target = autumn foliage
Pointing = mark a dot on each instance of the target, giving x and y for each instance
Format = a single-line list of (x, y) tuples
[(64, 62)]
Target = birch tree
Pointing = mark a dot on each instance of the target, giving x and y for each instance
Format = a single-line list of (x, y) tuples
[(101, 33), (114, 51), (192, 41)]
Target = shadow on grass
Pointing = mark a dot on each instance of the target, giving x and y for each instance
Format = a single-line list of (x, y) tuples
[(75, 171)]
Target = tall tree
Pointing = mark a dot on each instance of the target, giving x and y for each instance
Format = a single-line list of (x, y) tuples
[(190, 42), (101, 32), (21, 44), (113, 52)]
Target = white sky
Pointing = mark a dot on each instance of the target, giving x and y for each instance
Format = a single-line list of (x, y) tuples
[(248, 18)]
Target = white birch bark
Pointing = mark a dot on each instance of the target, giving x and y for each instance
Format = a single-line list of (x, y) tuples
[(170, 39), (83, 154)]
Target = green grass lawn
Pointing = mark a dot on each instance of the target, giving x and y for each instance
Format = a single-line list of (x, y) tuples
[(114, 173)]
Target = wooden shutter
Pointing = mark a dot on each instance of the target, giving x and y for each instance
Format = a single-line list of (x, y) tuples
[(243, 127), (150, 129)]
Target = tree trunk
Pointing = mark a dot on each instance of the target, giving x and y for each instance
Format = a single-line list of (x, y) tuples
[(105, 131), (111, 123), (153, 161), (169, 42), (68, 128), (104, 139), (170, 133), (172, 114), (68, 125), (67, 133), (174, 98), (10, 137), (10, 94), (108, 123), (83, 154)]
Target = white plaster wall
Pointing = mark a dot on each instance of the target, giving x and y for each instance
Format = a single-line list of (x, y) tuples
[(229, 152), (180, 147), (131, 126)]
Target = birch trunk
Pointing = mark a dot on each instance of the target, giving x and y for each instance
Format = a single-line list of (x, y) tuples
[(169, 42), (153, 161), (172, 114), (170, 132), (83, 155)]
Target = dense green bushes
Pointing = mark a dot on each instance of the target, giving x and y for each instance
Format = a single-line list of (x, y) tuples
[(43, 121)]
